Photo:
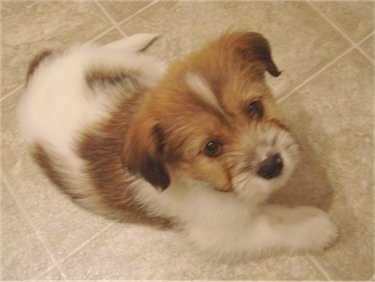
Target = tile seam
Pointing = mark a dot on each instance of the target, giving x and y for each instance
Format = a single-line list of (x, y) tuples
[(366, 37), (338, 29), (10, 93), (34, 229), (320, 267), (101, 34), (362, 51), (85, 243), (326, 66), (60, 262), (311, 77), (137, 13), (109, 17), (115, 26), (38, 277)]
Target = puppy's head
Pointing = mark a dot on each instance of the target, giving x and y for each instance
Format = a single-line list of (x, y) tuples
[(213, 119)]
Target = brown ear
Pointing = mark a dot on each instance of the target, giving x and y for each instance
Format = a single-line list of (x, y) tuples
[(142, 153), (253, 49)]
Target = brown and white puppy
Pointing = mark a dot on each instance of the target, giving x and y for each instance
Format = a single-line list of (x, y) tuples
[(108, 125)]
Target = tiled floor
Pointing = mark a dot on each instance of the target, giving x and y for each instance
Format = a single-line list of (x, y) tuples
[(325, 50)]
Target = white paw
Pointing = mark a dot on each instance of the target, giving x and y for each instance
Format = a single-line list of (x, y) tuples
[(312, 230)]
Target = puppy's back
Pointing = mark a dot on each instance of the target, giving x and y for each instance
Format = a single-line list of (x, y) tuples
[(68, 96)]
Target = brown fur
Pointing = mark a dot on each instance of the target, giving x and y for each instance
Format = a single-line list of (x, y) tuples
[(36, 62), (234, 68), (50, 167), (157, 132), (101, 77), (101, 148)]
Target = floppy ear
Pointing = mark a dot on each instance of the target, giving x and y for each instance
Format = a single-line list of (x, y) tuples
[(142, 153), (253, 49)]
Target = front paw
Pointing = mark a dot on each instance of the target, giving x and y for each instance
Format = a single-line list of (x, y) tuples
[(312, 229)]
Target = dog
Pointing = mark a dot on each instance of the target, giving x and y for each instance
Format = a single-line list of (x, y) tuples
[(198, 146)]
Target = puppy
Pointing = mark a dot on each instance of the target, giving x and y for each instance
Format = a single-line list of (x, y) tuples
[(198, 147)]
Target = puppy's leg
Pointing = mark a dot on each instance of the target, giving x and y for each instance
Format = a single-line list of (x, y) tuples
[(272, 228), (133, 43), (299, 229)]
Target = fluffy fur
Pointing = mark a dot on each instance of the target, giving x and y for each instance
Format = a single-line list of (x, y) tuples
[(108, 125)]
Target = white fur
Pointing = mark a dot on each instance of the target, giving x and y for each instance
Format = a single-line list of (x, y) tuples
[(283, 144), (54, 110), (221, 225), (202, 90)]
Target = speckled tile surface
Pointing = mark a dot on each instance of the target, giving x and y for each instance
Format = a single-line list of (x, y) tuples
[(28, 27), (46, 207), (21, 249), (317, 40), (326, 91), (123, 10), (368, 46), (354, 18), (50, 275), (162, 255), (335, 126)]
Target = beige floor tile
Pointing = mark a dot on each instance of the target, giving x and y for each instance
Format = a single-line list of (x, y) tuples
[(23, 255), (136, 252), (368, 46), (62, 224), (31, 26), (354, 18), (120, 10), (333, 119), (279, 21), (53, 274), (108, 37), (332, 116)]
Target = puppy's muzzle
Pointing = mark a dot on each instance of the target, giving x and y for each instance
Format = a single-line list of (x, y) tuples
[(271, 167)]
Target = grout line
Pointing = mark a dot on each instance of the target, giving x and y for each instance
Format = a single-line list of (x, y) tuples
[(70, 254), (355, 45), (34, 228), (108, 30), (115, 26), (38, 277), (138, 12), (319, 267), (331, 22), (362, 51), (56, 263), (88, 241), (109, 17), (303, 83), (10, 93)]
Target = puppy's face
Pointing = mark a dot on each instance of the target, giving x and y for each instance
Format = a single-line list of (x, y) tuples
[(214, 119)]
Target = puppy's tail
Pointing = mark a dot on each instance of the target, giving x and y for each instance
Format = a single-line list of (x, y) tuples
[(136, 43), (36, 61)]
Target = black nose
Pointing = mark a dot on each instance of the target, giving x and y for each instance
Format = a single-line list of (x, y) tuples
[(270, 167)]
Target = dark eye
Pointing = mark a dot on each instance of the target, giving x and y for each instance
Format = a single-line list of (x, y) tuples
[(255, 108), (212, 149)]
